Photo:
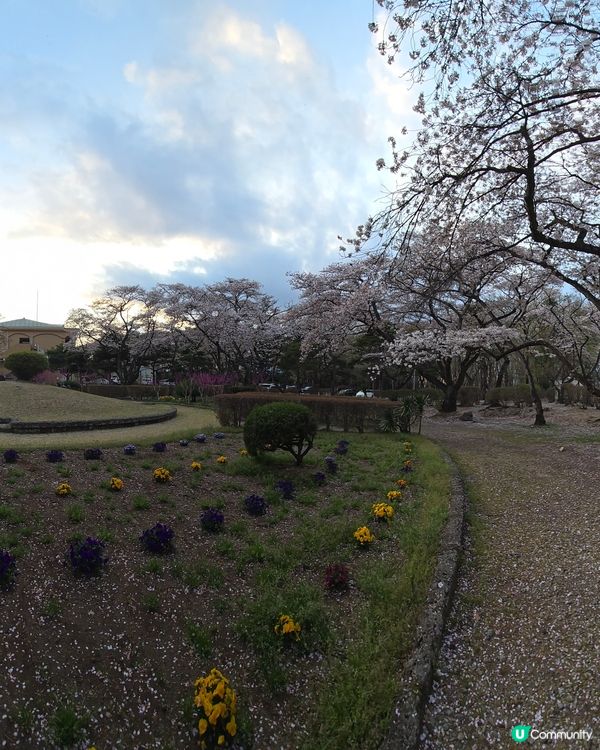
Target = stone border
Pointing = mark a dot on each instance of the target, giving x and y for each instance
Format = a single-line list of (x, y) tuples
[(91, 424), (405, 727)]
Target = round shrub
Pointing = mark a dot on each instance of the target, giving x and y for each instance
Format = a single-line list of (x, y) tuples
[(286, 488), (87, 557), (54, 456), (331, 464), (212, 519), (11, 456), (159, 447), (158, 539), (200, 437), (129, 450), (319, 478), (26, 365), (282, 426), (184, 443)]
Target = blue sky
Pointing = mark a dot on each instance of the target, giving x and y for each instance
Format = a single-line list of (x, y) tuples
[(145, 141)]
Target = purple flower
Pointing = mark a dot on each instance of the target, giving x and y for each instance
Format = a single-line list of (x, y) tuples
[(212, 519), (184, 443), (255, 505), (87, 557), (11, 456), (92, 454), (330, 464), (54, 456), (159, 447), (8, 569), (319, 478), (200, 437), (158, 539), (342, 447), (219, 435), (337, 577), (286, 487), (129, 450)]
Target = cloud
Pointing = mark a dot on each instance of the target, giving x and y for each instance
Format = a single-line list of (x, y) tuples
[(241, 156)]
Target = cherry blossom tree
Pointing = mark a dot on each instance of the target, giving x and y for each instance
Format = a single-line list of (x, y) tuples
[(119, 329), (234, 322), (510, 130)]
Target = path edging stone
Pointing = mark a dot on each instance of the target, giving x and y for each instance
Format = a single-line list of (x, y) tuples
[(403, 732)]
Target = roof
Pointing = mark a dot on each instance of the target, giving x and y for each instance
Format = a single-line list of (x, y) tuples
[(25, 323)]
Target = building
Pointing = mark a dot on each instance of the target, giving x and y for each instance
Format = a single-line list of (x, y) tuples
[(24, 335)]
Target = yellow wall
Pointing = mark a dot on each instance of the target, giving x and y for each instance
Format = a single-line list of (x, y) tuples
[(39, 340)]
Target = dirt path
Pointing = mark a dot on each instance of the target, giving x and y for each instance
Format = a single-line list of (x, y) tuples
[(523, 643)]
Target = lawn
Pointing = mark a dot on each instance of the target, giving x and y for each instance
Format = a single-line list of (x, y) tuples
[(31, 402), (111, 660)]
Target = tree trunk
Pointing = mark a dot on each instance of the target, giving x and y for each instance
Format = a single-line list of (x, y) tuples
[(448, 404), (540, 420), (501, 373)]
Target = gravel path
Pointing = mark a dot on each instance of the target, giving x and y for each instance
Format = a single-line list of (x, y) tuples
[(522, 644)]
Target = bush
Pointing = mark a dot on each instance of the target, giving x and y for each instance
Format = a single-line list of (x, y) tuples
[(281, 426), (517, 394), (54, 456), (26, 365), (11, 456)]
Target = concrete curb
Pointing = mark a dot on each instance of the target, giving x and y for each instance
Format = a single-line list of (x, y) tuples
[(404, 730), (91, 424)]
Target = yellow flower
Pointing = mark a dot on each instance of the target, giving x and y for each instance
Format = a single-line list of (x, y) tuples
[(202, 726), (195, 466), (243, 452), (64, 488), (383, 511), (363, 535), (393, 495), (161, 475), (408, 447), (408, 464), (401, 483), (116, 484), (221, 740), (231, 726), (286, 626), (222, 459)]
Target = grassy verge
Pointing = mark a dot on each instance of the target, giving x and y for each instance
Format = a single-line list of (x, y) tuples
[(354, 707)]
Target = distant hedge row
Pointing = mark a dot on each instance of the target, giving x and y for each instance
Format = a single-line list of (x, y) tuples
[(136, 391), (330, 411)]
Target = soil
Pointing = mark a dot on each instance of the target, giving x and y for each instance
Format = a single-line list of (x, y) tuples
[(115, 647)]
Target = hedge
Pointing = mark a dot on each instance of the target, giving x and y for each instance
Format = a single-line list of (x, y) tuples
[(137, 392), (517, 394), (330, 411)]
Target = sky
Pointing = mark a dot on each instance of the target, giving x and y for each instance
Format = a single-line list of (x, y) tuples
[(144, 141)]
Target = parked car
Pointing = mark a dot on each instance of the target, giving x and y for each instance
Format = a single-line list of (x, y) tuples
[(268, 387), (307, 389), (346, 392)]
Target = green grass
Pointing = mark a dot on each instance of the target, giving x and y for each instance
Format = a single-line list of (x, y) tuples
[(200, 639), (75, 513), (67, 726), (347, 716)]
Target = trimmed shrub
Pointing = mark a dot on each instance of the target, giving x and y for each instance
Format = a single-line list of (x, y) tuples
[(282, 426), (255, 505), (26, 365), (11, 456), (516, 394)]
